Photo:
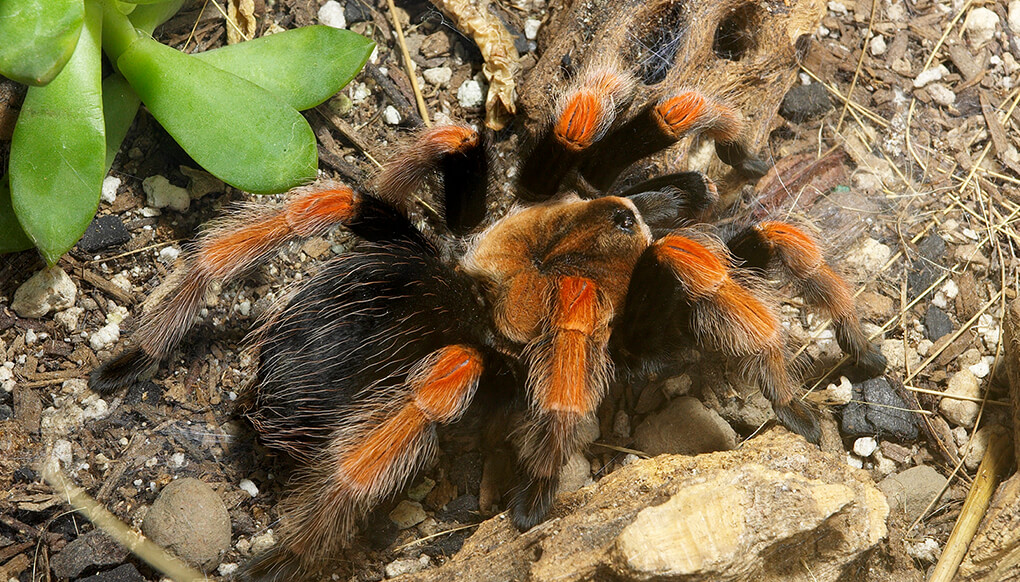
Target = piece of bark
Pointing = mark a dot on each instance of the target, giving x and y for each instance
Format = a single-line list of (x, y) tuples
[(674, 46)]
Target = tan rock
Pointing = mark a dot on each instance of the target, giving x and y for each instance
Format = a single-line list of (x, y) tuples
[(735, 515)]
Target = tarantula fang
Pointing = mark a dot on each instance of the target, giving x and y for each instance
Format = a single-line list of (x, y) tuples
[(539, 310)]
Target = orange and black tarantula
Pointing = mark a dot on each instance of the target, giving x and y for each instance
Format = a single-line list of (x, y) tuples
[(582, 282)]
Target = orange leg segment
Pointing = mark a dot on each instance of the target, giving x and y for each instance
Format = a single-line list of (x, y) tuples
[(735, 319), (803, 262)]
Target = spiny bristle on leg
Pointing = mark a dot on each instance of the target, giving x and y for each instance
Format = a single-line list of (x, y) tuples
[(531, 501), (797, 417), (121, 371)]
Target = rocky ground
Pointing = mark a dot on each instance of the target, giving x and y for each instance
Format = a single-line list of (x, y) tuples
[(919, 176)]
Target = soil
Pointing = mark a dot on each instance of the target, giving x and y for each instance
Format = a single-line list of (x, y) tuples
[(928, 171)]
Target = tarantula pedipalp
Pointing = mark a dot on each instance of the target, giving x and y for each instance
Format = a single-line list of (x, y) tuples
[(539, 311)]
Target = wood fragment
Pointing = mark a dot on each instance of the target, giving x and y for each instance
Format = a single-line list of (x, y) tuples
[(409, 65), (502, 62), (995, 130), (103, 284), (349, 134), (998, 458), (397, 97)]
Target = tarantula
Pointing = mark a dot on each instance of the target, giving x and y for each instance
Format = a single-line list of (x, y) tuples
[(582, 282)]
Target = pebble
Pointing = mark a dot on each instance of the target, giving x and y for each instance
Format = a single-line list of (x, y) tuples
[(122, 573), (407, 566), (68, 318), (941, 94), (854, 461), (262, 542), (877, 45), (104, 232), (89, 550), (531, 27), (105, 336), (910, 491), (30, 336), (883, 465), (201, 182), (470, 94), (930, 76), (1014, 16), (407, 514), (982, 368), (926, 550), (869, 255), (62, 452), (438, 76), (360, 92), (227, 569), (116, 313), (169, 254), (249, 487), (391, 116), (574, 474), (685, 427), (421, 489), (160, 193), (355, 11), (865, 446), (841, 393), (961, 412), (936, 323), (677, 386), (332, 14), (898, 355), (989, 330), (978, 444), (189, 519), (805, 103), (980, 26), (621, 424), (6, 379), (48, 290), (109, 189), (889, 416), (177, 460)]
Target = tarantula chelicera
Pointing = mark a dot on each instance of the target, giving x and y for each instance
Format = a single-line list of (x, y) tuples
[(583, 281)]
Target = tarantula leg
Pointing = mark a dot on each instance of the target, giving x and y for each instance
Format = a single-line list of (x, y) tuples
[(230, 247), (660, 125), (376, 453), (686, 278), (569, 372), (458, 156), (583, 116), (804, 263), (668, 201)]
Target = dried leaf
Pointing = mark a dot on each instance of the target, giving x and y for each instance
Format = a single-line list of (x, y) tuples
[(502, 63), (241, 22)]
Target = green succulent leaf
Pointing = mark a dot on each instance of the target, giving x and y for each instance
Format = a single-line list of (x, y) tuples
[(147, 17), (58, 148), (37, 38), (120, 105), (304, 66), (12, 237), (239, 132)]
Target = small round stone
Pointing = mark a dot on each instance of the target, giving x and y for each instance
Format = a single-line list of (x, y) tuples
[(189, 519)]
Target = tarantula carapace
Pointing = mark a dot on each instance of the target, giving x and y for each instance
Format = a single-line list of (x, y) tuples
[(541, 309)]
